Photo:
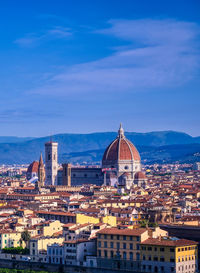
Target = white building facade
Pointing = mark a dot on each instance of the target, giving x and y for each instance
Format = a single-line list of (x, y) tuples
[(51, 163)]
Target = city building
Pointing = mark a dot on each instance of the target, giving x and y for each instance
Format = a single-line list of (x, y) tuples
[(169, 255), (51, 162), (122, 156), (120, 248), (73, 252), (197, 166)]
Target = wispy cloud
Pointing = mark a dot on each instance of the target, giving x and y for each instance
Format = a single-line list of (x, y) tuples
[(33, 39), (25, 114), (159, 54)]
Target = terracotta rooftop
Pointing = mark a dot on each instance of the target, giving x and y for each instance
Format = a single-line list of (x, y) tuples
[(116, 231), (169, 242)]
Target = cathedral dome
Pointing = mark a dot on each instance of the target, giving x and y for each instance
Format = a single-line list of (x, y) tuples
[(121, 149), (33, 167), (32, 170)]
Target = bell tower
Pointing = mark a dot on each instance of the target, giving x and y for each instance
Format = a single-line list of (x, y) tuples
[(41, 172), (66, 175), (51, 162)]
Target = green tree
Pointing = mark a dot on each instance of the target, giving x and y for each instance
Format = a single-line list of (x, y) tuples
[(25, 236), (144, 223)]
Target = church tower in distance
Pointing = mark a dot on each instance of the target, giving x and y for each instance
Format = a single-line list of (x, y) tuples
[(51, 163), (41, 172)]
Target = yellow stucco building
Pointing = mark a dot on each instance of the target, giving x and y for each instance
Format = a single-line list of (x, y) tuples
[(9, 239), (169, 255), (120, 248)]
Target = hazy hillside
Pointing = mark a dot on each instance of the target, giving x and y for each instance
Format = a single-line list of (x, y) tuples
[(13, 139), (149, 154), (153, 146)]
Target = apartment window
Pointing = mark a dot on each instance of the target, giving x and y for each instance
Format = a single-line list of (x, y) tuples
[(124, 237), (111, 237), (131, 255), (118, 237), (99, 253), (149, 267), (155, 248), (99, 244), (138, 246), (149, 248), (149, 258), (162, 259), (111, 254), (118, 245), (105, 236), (162, 268), (105, 254), (124, 245), (171, 249), (111, 244), (105, 244), (137, 256), (124, 255), (172, 260), (131, 246), (179, 249), (138, 238), (131, 238), (155, 258), (172, 269), (162, 249), (118, 254), (144, 258)]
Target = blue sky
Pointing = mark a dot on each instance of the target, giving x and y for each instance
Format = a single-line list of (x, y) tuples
[(77, 66)]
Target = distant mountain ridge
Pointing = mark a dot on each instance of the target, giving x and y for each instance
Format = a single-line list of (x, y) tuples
[(163, 146), (14, 139)]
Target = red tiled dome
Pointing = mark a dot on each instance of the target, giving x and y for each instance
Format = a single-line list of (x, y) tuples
[(33, 167), (121, 149)]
